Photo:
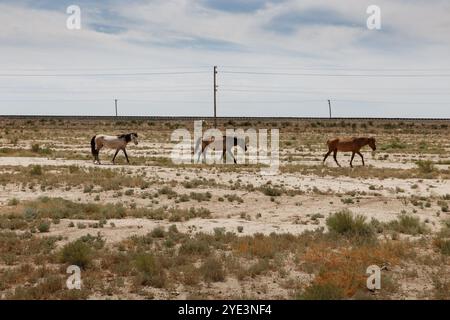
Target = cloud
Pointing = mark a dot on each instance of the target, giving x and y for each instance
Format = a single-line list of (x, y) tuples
[(238, 6), (289, 22), (279, 36)]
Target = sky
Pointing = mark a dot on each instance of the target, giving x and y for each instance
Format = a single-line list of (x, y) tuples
[(274, 58)]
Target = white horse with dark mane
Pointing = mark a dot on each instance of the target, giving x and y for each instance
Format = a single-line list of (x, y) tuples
[(118, 142)]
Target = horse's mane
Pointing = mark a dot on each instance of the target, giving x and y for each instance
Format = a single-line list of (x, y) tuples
[(126, 136)]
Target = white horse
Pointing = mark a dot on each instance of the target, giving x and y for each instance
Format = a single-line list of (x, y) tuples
[(113, 142)]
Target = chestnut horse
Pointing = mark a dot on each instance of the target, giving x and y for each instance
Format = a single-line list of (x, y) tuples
[(349, 144)]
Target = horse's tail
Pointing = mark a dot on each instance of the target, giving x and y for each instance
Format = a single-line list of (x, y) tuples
[(93, 148)]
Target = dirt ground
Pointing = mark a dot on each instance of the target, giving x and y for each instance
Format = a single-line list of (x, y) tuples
[(407, 176)]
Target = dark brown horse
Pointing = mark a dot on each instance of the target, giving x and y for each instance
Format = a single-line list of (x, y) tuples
[(353, 145), (227, 144)]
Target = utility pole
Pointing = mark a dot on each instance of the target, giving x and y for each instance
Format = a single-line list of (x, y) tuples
[(329, 107), (215, 97), (115, 101)]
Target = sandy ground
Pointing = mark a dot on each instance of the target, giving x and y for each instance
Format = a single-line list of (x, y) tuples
[(287, 214)]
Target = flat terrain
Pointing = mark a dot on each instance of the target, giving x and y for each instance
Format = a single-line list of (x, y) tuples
[(156, 230)]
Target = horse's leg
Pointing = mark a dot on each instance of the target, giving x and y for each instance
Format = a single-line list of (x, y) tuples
[(199, 154), (234, 159), (229, 152), (351, 161), (362, 157), (97, 156), (126, 156), (115, 155), (327, 155), (335, 157), (98, 147), (204, 154)]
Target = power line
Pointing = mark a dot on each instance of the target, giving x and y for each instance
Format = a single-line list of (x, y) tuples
[(150, 90), (141, 68), (327, 92), (225, 72), (101, 74), (104, 100), (338, 75), (290, 67), (338, 100)]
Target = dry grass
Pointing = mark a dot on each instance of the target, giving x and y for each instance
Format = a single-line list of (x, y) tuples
[(167, 264)]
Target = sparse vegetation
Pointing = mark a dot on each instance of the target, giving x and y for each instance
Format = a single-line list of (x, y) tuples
[(303, 252)]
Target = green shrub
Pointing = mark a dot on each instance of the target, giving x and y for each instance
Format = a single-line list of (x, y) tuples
[(346, 224), (195, 247), (326, 291), (271, 191), (77, 253), (44, 227), (129, 192), (408, 225), (443, 245), (151, 273), (157, 232), (36, 170), (212, 270), (13, 202), (425, 166), (35, 147), (30, 213)]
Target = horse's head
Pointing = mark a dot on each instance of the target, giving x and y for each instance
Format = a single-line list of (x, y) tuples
[(134, 138), (372, 143)]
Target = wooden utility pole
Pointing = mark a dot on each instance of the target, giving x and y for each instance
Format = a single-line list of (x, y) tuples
[(115, 101), (329, 107), (215, 97)]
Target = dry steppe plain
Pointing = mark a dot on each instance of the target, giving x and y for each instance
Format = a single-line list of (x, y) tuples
[(157, 230)]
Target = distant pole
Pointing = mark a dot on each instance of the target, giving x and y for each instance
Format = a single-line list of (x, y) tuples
[(215, 97), (329, 107), (115, 101)]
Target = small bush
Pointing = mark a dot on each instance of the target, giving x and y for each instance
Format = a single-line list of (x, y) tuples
[(195, 247), (212, 270), (36, 170), (151, 273), (347, 201), (425, 166), (35, 147), (408, 225), (30, 213), (13, 202), (443, 245), (44, 227), (129, 192), (271, 191), (77, 253), (345, 223), (158, 232), (321, 291)]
